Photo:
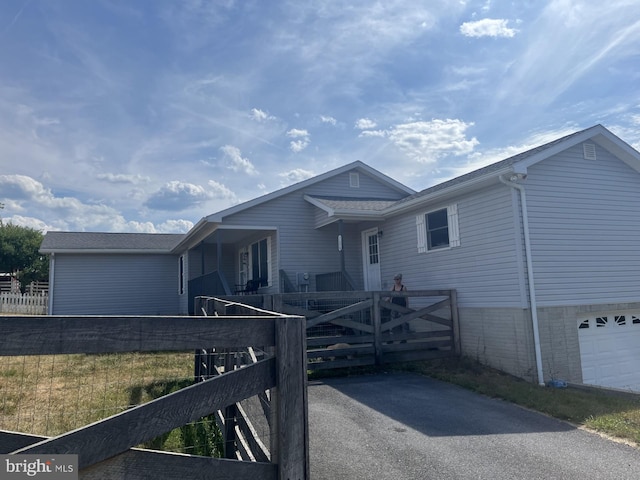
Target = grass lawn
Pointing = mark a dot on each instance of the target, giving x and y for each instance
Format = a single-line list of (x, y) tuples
[(52, 394)]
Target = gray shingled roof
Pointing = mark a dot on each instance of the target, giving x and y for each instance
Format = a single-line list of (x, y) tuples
[(340, 204), (94, 241)]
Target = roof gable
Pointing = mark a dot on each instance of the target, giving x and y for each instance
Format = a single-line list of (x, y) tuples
[(208, 224), (357, 165), (520, 162)]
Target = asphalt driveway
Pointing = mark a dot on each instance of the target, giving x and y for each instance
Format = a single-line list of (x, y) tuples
[(405, 426)]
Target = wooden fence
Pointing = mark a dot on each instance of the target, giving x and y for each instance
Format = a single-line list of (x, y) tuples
[(104, 448), (358, 328), (24, 304)]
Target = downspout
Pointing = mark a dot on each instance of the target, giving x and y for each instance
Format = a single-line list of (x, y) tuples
[(52, 271), (532, 289)]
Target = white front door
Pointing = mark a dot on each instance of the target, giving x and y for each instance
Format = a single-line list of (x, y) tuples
[(371, 259)]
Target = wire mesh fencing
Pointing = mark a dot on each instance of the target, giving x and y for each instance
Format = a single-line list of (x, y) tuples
[(49, 395)]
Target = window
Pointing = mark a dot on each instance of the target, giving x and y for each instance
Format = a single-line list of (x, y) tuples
[(374, 256), (438, 229), (181, 275), (354, 180), (259, 261)]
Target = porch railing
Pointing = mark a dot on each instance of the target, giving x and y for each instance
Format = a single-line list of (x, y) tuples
[(213, 283), (334, 282)]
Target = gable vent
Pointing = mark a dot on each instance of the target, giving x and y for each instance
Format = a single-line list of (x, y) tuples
[(589, 150), (354, 180)]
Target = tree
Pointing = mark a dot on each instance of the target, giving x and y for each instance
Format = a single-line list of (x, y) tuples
[(19, 253)]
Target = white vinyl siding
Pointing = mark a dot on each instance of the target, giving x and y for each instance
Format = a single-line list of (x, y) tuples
[(584, 219), (300, 246), (485, 269), (115, 284)]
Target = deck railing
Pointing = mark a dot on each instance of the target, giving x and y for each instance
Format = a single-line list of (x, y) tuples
[(357, 328)]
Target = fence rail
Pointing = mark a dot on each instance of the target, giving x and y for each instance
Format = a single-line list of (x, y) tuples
[(24, 304), (104, 448)]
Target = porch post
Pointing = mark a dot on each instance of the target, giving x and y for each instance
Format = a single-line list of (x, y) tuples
[(218, 251), (202, 257), (341, 244), (377, 327)]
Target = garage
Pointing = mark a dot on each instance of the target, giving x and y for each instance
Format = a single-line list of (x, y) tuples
[(610, 350)]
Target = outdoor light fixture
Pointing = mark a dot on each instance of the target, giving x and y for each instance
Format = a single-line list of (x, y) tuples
[(517, 176)]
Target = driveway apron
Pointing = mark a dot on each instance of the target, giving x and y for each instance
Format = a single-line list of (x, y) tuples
[(406, 426)]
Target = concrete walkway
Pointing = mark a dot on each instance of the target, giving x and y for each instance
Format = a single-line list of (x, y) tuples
[(404, 426)]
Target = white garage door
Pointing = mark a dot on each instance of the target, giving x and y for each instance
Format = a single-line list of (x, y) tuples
[(610, 350)]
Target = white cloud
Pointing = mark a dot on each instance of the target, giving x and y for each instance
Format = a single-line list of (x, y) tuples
[(426, 142), (295, 132), (236, 162), (303, 142), (174, 226), (28, 222), (296, 175), (328, 119), (488, 27), (260, 115), (61, 213), (176, 195), (123, 178), (221, 191), (365, 124), (21, 187), (373, 133)]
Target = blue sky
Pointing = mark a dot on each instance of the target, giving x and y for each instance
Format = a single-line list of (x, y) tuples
[(144, 116)]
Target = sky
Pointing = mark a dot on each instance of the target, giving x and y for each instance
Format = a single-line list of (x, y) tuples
[(147, 115)]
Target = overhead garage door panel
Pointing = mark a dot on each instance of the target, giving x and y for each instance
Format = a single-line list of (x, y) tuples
[(610, 350)]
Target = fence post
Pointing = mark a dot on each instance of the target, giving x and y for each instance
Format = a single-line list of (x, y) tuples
[(292, 430), (377, 327), (230, 412), (455, 320)]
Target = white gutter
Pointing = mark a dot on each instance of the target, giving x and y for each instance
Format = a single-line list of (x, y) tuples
[(532, 289), (455, 189)]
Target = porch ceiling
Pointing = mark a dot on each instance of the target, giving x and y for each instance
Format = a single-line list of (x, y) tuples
[(350, 209)]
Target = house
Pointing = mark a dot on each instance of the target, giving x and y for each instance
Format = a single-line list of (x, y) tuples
[(543, 250), (304, 237), (541, 247)]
